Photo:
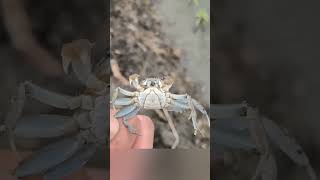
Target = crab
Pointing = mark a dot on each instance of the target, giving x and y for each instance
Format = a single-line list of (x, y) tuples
[(153, 94), (82, 133), (243, 127)]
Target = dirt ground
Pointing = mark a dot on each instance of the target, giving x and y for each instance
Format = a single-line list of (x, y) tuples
[(139, 46)]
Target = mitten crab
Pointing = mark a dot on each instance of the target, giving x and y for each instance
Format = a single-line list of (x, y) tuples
[(153, 93)]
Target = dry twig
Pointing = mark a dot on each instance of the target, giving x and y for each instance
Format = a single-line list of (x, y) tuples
[(116, 72)]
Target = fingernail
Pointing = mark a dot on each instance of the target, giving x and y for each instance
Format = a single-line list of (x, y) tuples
[(114, 127)]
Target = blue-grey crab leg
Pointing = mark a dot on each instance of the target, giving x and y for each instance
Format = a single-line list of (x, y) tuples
[(31, 90), (180, 104), (49, 156), (51, 98), (193, 116), (44, 126), (178, 96), (71, 165), (126, 110), (123, 101), (201, 109), (127, 113), (184, 101), (126, 118), (122, 91)]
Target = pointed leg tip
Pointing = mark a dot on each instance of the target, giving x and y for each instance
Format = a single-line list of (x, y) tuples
[(134, 131)]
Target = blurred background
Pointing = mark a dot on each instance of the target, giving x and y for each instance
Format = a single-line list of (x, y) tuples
[(161, 37), (266, 52), (32, 33)]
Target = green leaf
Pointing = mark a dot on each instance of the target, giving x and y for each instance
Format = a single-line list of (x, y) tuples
[(196, 2), (202, 17)]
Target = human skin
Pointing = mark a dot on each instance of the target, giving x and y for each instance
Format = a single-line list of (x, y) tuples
[(121, 139), (125, 148)]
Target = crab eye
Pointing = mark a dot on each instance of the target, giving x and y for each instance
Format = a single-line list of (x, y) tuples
[(152, 83), (143, 83)]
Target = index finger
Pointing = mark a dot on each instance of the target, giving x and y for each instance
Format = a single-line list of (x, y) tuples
[(122, 140)]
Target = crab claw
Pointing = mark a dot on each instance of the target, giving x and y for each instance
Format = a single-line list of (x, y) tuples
[(167, 82), (133, 79), (75, 51)]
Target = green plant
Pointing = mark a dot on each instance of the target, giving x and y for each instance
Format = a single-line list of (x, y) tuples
[(202, 16)]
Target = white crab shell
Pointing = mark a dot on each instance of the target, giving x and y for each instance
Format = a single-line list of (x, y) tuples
[(152, 98)]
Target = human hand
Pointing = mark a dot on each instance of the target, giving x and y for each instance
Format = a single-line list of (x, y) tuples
[(125, 161), (121, 139)]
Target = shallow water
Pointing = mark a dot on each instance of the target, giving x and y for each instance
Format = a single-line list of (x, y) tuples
[(178, 18)]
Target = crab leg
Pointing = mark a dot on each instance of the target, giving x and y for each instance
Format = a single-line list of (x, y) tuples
[(201, 109), (71, 165), (173, 129), (180, 104), (127, 113), (184, 101), (40, 94), (51, 98), (123, 101), (184, 98), (178, 96), (193, 116), (49, 156), (126, 118), (44, 126), (122, 91)]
